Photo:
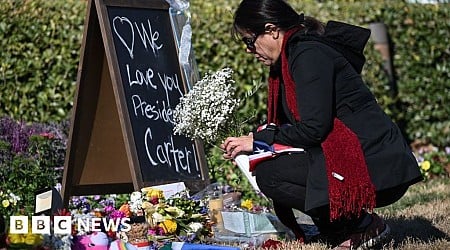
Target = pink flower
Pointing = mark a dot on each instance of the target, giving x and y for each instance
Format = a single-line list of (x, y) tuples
[(116, 214), (154, 200), (109, 209), (271, 244), (47, 135), (156, 231)]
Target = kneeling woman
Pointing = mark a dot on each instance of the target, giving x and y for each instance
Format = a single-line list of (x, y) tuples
[(355, 157)]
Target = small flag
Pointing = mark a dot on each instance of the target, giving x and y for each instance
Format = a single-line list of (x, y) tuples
[(193, 246)]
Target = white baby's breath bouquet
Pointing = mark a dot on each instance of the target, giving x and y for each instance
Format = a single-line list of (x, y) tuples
[(206, 112)]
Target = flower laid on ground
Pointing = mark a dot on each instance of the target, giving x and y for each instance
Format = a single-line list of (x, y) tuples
[(247, 204), (152, 216), (25, 241), (205, 111), (179, 215), (252, 206)]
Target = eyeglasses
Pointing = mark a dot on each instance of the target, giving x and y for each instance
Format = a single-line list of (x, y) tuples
[(250, 42)]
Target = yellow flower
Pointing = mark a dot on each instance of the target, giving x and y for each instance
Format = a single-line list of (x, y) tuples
[(248, 204), (33, 239), (425, 165), (153, 192), (5, 203), (169, 226), (16, 238)]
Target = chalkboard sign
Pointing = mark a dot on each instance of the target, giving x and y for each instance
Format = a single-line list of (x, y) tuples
[(129, 80), (153, 83), (151, 78)]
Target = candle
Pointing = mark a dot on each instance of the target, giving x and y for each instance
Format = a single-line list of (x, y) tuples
[(215, 208)]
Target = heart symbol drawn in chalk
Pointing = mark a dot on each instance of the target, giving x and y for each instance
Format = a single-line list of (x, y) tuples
[(124, 21)]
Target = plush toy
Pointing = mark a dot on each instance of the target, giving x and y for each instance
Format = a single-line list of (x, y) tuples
[(121, 245), (94, 241)]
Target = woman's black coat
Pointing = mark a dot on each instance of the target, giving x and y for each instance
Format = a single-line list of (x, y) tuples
[(326, 70)]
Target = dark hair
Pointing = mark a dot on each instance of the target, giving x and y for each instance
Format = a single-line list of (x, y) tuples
[(252, 15)]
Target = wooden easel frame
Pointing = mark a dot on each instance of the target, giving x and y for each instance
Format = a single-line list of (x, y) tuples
[(101, 157)]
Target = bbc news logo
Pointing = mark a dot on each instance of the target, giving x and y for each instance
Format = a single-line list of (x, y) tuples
[(63, 224)]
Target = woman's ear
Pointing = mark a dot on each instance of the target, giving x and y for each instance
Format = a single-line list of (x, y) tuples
[(275, 34), (269, 27), (273, 30)]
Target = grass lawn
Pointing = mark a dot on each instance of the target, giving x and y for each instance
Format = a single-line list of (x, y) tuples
[(420, 220)]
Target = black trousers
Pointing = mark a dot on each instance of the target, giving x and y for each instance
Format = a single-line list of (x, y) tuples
[(283, 179)]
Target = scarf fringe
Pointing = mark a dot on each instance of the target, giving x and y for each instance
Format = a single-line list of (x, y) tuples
[(359, 199)]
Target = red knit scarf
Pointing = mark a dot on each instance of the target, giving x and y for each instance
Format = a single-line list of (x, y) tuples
[(342, 151)]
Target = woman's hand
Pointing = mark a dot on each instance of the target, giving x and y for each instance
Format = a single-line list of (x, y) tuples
[(237, 145)]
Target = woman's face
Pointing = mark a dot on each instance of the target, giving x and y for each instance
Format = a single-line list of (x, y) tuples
[(265, 47)]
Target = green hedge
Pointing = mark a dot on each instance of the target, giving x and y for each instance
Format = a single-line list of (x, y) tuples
[(39, 53), (40, 44)]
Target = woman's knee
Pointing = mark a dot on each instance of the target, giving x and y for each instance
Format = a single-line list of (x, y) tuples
[(266, 179), (389, 196)]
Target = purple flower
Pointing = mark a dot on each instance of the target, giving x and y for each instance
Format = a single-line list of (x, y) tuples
[(76, 202), (204, 210), (227, 189), (154, 245), (16, 133), (116, 214), (159, 231), (109, 209), (107, 202), (187, 238), (156, 231)]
